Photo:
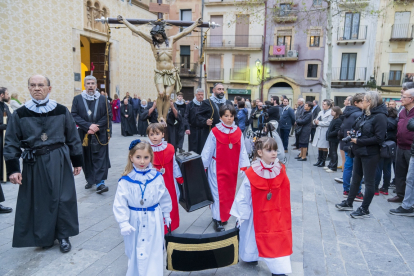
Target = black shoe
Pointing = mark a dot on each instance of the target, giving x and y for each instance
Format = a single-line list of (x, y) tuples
[(279, 274), (88, 186), (298, 157), (360, 213), (303, 159), (4, 209), (252, 263), (65, 245), (225, 223), (400, 211), (218, 226), (102, 189), (181, 150), (344, 206)]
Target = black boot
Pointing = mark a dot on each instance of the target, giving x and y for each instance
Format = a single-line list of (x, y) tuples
[(319, 158), (218, 226), (324, 155)]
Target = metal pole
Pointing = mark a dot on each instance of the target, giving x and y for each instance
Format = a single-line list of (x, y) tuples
[(178, 23), (201, 47), (160, 15)]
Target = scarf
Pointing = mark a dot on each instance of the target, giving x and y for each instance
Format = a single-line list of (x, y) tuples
[(217, 100), (13, 99), (88, 97), (196, 102), (180, 102), (144, 106), (42, 106)]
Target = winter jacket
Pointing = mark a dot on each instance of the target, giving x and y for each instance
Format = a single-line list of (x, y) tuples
[(333, 129), (392, 124), (371, 132), (306, 122), (351, 113), (287, 118), (404, 136), (299, 111), (242, 115), (136, 103), (410, 127), (319, 140)]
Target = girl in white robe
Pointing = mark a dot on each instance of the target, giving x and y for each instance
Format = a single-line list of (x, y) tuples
[(141, 203)]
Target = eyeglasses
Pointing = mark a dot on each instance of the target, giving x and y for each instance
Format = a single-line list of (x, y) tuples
[(40, 85), (402, 97)]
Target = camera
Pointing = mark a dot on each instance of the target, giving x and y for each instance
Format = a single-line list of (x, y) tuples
[(352, 134)]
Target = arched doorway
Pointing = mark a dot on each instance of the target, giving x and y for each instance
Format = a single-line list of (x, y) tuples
[(279, 89)]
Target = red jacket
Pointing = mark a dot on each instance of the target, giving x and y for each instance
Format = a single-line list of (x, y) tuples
[(404, 136)]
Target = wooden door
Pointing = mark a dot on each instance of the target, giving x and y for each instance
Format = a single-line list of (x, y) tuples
[(97, 53), (242, 30)]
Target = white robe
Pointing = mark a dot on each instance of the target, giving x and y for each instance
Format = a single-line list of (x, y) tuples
[(207, 154), (144, 246), (242, 209)]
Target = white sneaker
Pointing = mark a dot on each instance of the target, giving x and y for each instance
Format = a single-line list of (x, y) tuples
[(326, 168), (330, 171), (339, 179)]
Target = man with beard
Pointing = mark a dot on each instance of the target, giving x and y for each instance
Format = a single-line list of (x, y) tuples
[(176, 123), (4, 109), (192, 129), (93, 117), (128, 125), (46, 206), (208, 113)]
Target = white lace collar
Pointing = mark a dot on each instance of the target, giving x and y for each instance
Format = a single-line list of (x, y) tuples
[(266, 171), (143, 175), (180, 103), (196, 102), (88, 97), (33, 105), (160, 147), (225, 128)]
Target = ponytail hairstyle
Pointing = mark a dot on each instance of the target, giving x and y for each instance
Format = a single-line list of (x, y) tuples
[(264, 143), (133, 147)]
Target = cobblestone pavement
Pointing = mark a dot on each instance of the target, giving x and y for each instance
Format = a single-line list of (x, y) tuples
[(325, 241)]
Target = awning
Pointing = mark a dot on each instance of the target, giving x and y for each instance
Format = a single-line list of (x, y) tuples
[(239, 91)]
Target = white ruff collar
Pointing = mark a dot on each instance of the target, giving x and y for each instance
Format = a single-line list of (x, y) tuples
[(160, 147), (262, 169), (88, 97), (50, 105), (196, 102), (143, 175), (180, 103), (224, 128)]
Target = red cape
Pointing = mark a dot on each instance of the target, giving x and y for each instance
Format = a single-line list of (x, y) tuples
[(272, 218), (227, 167), (165, 158)]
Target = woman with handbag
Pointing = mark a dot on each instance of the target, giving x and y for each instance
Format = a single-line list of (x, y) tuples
[(370, 131), (322, 121), (303, 129)]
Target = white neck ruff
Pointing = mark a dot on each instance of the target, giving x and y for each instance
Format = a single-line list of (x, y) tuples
[(224, 128), (88, 97), (160, 147), (262, 169), (143, 175)]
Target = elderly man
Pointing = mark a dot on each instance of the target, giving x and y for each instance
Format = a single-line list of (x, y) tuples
[(46, 204), (93, 117), (192, 129)]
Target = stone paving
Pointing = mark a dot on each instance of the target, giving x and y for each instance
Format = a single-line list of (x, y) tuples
[(325, 241)]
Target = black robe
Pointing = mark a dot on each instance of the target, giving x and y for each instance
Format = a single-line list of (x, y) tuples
[(128, 125), (176, 126), (144, 118), (3, 108), (46, 206), (190, 117), (96, 157), (204, 113)]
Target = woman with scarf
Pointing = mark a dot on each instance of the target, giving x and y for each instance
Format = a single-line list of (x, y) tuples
[(116, 111)]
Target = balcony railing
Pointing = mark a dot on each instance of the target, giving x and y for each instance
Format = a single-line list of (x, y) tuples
[(188, 69), (235, 41), (290, 55), (353, 3), (392, 78), (286, 16), (349, 74), (215, 74), (227, 2), (240, 74), (402, 32), (357, 33)]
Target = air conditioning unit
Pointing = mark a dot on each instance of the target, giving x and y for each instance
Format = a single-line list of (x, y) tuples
[(292, 53)]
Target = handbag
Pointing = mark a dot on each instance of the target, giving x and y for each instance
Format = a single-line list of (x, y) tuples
[(298, 129), (388, 149), (194, 252)]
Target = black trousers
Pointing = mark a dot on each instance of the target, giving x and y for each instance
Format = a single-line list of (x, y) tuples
[(333, 149), (313, 130), (402, 160), (297, 140), (364, 167)]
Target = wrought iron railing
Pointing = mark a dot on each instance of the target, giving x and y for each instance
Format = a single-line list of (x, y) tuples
[(402, 32), (188, 69), (215, 74), (392, 78), (352, 33), (349, 74), (227, 41)]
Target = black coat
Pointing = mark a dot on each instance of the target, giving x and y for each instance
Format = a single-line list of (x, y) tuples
[(128, 124), (392, 124), (333, 129), (176, 126), (410, 127), (315, 113), (306, 122), (274, 113), (190, 117), (351, 113), (3, 108)]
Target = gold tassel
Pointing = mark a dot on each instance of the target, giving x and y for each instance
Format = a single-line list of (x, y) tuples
[(85, 141)]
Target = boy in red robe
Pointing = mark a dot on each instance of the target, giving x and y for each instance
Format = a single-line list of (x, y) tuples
[(224, 154), (262, 208), (164, 162)]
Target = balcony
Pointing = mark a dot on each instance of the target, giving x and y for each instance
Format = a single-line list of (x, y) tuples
[(230, 2), (352, 35), (215, 74), (402, 32), (240, 75), (286, 16), (348, 76), (290, 55), (392, 78), (188, 70), (234, 42), (346, 4)]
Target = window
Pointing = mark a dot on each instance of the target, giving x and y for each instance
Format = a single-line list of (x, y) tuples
[(351, 28), (395, 74), (317, 2), (339, 101), (312, 71), (284, 40), (185, 57), (240, 71), (214, 71), (185, 16), (348, 66), (310, 98), (284, 10), (314, 41)]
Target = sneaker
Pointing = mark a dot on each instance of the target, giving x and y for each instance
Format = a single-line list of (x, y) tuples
[(400, 211), (330, 171), (344, 206), (383, 191), (376, 193), (326, 168), (345, 194), (102, 189), (359, 197), (360, 213), (339, 179)]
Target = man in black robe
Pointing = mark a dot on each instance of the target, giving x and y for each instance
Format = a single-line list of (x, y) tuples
[(208, 113), (4, 110), (192, 129), (128, 125), (93, 117), (176, 123), (46, 206)]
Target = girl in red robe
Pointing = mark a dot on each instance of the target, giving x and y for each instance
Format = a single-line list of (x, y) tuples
[(164, 162), (262, 208), (224, 154)]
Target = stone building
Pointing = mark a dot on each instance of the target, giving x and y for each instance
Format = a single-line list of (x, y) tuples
[(60, 39)]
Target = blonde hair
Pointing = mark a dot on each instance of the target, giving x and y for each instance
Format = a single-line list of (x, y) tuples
[(14, 96), (140, 146), (264, 143), (374, 99)]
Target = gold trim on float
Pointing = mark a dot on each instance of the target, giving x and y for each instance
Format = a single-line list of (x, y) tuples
[(203, 247)]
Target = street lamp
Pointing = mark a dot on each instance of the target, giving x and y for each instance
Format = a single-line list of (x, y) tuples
[(259, 70)]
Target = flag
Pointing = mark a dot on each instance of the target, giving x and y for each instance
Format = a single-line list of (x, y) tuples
[(92, 68), (279, 50)]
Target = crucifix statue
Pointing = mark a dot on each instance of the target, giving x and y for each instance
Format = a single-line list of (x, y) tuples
[(167, 78)]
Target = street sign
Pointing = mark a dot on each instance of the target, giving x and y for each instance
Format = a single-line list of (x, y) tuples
[(239, 91)]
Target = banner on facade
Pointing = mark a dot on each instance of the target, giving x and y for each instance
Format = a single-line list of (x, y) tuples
[(279, 50)]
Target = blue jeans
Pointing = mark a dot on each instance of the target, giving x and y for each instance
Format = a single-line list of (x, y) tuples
[(384, 165), (284, 135), (347, 174), (409, 188)]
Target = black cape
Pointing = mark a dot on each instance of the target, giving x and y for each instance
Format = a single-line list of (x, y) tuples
[(3, 108), (190, 117), (128, 125), (144, 117), (96, 157), (46, 206), (176, 126)]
